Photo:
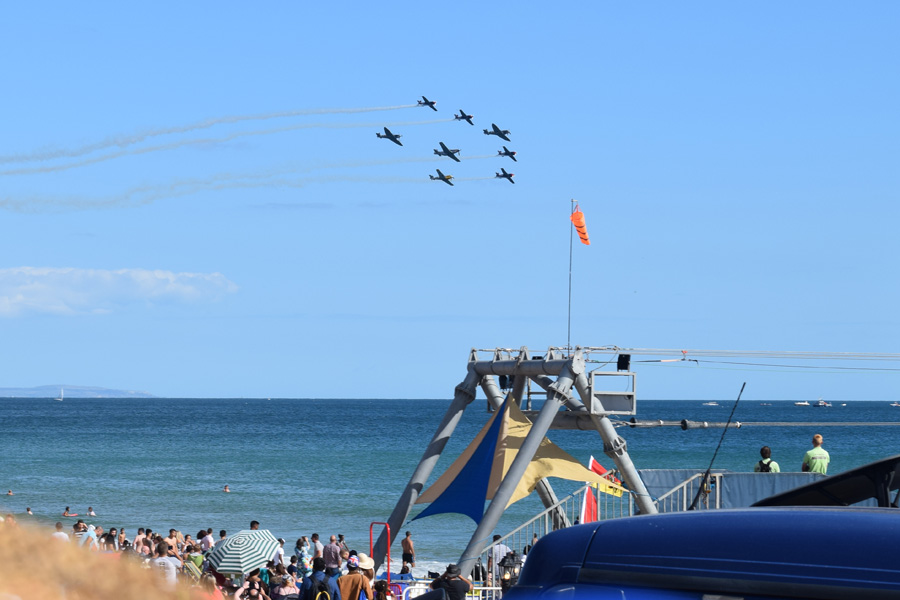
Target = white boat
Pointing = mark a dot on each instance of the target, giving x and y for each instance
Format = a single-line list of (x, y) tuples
[(60, 399), (895, 403), (802, 403), (710, 404), (822, 403)]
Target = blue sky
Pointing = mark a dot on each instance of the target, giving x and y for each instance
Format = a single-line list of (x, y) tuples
[(737, 166)]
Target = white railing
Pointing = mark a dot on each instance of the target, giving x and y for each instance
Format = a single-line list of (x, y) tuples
[(479, 592), (681, 497), (563, 514)]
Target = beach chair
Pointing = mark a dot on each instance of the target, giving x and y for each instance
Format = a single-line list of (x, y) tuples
[(191, 570)]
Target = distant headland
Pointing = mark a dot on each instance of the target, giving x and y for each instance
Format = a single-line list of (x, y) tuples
[(71, 391)]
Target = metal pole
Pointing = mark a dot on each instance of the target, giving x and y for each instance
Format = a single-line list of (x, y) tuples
[(616, 448), (559, 392), (464, 395), (492, 391)]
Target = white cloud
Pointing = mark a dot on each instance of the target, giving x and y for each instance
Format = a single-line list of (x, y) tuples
[(70, 291)]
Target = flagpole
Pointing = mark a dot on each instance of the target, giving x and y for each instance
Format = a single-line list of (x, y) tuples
[(569, 324)]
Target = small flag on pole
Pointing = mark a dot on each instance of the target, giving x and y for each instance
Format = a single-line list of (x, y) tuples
[(578, 221)]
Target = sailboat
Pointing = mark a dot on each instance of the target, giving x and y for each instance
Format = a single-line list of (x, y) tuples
[(60, 399)]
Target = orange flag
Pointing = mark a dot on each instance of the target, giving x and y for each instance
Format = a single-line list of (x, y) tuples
[(578, 220)]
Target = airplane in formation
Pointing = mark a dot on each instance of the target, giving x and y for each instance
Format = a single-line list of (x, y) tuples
[(448, 152), (387, 135), (500, 133), (445, 178), (507, 152), (505, 175), (426, 102), (462, 116)]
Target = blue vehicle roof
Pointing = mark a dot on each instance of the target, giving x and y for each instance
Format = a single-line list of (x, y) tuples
[(825, 553)]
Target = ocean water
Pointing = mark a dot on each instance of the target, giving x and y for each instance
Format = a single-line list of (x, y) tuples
[(334, 466)]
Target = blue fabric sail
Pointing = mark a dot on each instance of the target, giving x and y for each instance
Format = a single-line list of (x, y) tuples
[(466, 494)]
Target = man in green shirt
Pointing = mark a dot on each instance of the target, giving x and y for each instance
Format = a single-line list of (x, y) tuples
[(817, 459), (766, 465)]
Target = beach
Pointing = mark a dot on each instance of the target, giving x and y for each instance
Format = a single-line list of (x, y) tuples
[(300, 466)]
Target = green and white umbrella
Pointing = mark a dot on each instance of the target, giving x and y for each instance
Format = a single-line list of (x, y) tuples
[(244, 551)]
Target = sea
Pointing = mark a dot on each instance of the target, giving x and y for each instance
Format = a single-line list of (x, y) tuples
[(335, 466)]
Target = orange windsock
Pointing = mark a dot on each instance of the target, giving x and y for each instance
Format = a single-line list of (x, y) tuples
[(578, 221)]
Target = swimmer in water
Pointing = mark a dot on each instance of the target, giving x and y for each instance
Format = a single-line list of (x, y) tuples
[(9, 493), (66, 512), (226, 489), (91, 512)]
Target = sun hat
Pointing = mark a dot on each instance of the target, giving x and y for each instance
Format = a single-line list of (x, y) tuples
[(365, 561)]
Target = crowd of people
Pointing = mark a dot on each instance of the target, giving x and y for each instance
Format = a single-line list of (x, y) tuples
[(311, 568)]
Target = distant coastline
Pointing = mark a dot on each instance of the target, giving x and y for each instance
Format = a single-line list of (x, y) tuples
[(72, 391)]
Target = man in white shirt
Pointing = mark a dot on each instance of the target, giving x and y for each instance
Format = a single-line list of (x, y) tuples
[(278, 559), (59, 534), (165, 564), (207, 541)]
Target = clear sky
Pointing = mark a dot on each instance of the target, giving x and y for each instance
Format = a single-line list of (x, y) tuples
[(737, 165)]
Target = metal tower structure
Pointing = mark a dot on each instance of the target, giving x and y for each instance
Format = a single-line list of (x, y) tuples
[(575, 399)]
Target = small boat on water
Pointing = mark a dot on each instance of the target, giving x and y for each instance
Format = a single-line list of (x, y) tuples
[(60, 399), (822, 403), (802, 403), (710, 404), (895, 403)]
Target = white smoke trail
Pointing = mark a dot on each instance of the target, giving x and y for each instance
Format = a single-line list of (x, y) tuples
[(147, 194), (202, 141), (123, 141)]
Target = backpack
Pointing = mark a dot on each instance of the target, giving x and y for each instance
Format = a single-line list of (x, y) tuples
[(765, 467), (319, 587)]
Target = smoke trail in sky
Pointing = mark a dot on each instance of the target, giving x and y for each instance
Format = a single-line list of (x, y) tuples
[(201, 141), (148, 193), (123, 141)]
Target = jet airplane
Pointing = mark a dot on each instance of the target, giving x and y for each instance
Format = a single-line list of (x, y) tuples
[(387, 135), (505, 175), (500, 133), (462, 116), (441, 177), (445, 151), (507, 152), (426, 102)]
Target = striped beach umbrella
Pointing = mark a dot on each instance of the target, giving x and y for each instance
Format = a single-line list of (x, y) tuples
[(244, 551)]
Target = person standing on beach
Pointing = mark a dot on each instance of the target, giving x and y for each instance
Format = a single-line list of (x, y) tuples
[(816, 460), (409, 550), (318, 548), (138, 541), (766, 465), (332, 555), (278, 557), (59, 534), (354, 584), (206, 541), (309, 587)]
